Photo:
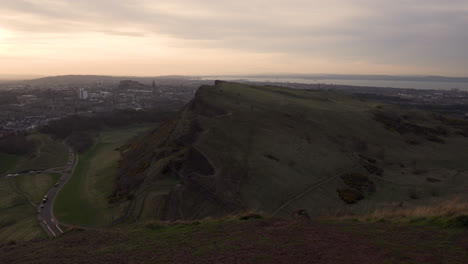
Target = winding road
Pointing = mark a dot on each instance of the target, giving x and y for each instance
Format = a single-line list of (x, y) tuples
[(46, 210)]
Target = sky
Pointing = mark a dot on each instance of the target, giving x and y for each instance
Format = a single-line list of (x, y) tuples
[(216, 37)]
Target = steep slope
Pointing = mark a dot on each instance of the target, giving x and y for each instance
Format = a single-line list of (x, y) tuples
[(237, 147)]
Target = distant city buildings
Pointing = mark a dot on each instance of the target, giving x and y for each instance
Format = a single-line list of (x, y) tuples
[(27, 99), (82, 94)]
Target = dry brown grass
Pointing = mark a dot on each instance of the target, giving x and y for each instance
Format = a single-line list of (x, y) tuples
[(440, 212), (448, 208)]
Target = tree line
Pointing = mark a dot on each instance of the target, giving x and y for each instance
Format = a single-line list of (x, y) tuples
[(77, 130)]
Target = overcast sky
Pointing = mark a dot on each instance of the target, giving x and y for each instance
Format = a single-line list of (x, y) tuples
[(195, 37)]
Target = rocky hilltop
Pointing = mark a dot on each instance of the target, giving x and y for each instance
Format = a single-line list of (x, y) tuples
[(238, 147)]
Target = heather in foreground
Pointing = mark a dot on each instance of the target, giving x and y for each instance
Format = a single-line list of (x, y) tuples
[(257, 240)]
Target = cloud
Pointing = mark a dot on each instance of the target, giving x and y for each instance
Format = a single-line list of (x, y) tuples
[(416, 32)]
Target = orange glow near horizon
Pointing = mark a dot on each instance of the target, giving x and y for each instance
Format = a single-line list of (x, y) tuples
[(224, 37)]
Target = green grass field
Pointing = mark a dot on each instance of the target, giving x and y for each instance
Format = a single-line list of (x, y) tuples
[(49, 153), (84, 200), (8, 162), (18, 197)]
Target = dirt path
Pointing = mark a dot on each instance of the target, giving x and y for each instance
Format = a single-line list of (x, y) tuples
[(311, 188)]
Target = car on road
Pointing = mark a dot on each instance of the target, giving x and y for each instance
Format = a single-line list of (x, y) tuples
[(42, 205), (57, 184)]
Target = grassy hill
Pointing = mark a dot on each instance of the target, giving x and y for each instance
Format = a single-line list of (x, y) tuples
[(237, 147)]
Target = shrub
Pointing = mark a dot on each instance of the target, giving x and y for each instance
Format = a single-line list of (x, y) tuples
[(155, 226), (413, 194), (350, 196), (247, 215), (460, 221), (419, 171), (358, 182), (80, 141), (431, 179), (435, 139), (250, 216), (413, 142)]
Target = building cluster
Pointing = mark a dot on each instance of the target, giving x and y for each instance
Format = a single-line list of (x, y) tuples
[(28, 106), (82, 94), (31, 107)]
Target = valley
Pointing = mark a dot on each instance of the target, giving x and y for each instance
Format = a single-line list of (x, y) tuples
[(84, 201)]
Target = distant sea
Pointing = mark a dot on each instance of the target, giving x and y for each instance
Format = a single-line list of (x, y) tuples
[(370, 83)]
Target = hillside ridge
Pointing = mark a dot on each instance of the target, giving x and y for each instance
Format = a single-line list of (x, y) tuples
[(237, 147)]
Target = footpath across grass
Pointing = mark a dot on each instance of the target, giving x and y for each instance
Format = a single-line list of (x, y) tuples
[(83, 200)]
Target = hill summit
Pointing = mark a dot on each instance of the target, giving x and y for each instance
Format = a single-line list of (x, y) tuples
[(238, 147)]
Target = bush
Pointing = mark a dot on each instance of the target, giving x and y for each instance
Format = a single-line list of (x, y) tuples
[(435, 139), (155, 226), (413, 194), (358, 182), (460, 221), (250, 216), (350, 196), (431, 179), (80, 141)]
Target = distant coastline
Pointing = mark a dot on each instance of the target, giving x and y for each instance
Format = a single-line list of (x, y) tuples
[(410, 82)]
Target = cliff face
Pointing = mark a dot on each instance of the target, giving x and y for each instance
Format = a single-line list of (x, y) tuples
[(172, 155), (238, 147)]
